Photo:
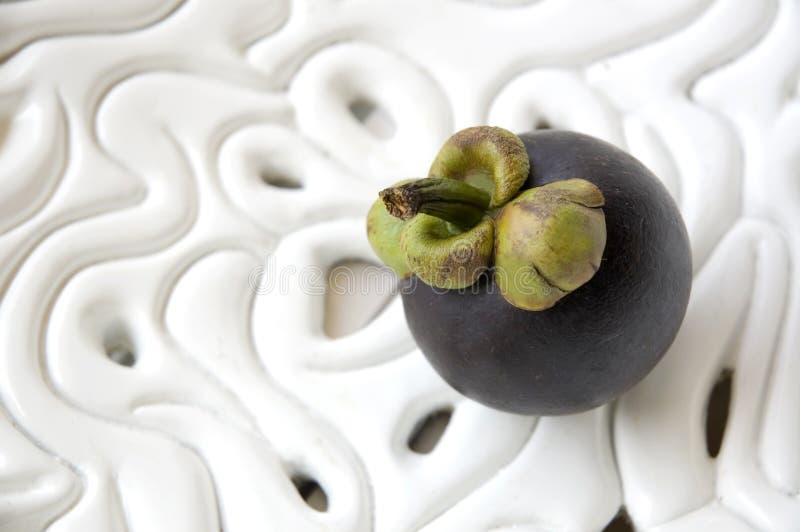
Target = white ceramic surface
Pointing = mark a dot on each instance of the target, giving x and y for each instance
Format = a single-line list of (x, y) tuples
[(135, 140)]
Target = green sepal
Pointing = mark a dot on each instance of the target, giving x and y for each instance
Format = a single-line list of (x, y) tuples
[(549, 242), (490, 158), (383, 233), (444, 257)]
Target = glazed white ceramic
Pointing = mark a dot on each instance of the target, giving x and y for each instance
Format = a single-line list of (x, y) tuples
[(138, 225)]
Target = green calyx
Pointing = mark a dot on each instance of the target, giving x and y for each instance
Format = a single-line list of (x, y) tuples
[(444, 257), (489, 158), (436, 228), (470, 217), (383, 233), (550, 241)]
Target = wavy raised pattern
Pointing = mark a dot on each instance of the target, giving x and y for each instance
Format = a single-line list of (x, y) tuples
[(146, 196)]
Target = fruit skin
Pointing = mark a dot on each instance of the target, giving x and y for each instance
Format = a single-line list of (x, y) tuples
[(596, 342)]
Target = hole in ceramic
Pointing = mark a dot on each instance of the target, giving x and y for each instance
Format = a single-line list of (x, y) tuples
[(620, 523), (429, 431), (311, 492), (5, 127), (719, 402), (357, 292), (374, 118), (119, 347), (278, 180), (542, 123), (13, 109)]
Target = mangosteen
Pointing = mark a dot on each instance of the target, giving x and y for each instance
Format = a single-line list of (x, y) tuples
[(545, 273)]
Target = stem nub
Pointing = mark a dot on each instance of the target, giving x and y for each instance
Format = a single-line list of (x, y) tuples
[(448, 199)]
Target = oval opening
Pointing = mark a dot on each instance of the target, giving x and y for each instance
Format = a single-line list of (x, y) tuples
[(717, 410), (5, 127), (311, 492), (621, 523), (279, 180), (373, 117), (429, 430), (119, 347), (357, 292), (542, 123)]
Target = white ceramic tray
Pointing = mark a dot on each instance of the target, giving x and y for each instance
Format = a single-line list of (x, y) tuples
[(162, 162)]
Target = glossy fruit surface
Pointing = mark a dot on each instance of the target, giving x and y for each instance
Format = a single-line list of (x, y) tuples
[(597, 341)]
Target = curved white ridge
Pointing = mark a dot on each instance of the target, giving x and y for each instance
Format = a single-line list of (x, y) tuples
[(176, 178)]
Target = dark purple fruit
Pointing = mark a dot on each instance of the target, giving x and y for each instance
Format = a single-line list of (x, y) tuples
[(599, 339)]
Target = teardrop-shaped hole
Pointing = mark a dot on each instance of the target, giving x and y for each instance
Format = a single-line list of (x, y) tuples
[(118, 346), (717, 410), (311, 492), (542, 123), (373, 117), (429, 430), (357, 292), (279, 180), (621, 523)]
